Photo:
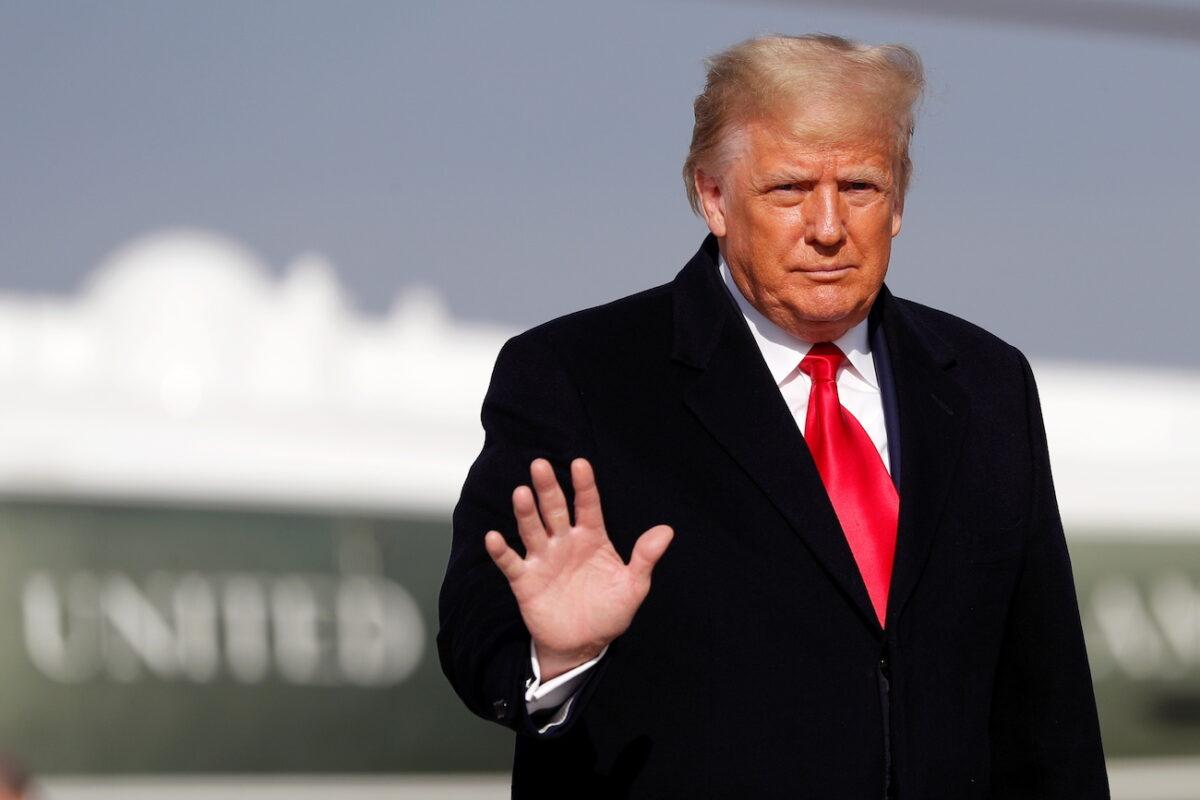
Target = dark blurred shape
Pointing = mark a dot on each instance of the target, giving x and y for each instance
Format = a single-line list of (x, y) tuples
[(15, 781), (1176, 710), (1155, 20)]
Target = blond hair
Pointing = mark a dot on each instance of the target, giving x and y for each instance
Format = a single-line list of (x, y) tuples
[(767, 76)]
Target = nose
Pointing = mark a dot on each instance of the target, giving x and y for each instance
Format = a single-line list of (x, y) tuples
[(823, 217)]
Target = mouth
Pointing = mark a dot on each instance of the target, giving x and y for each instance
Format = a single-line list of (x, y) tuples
[(829, 272)]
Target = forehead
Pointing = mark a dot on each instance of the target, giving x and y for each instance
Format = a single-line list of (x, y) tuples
[(822, 132)]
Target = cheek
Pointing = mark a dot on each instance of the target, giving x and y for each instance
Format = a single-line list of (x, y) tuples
[(876, 259), (780, 229), (769, 238), (873, 234)]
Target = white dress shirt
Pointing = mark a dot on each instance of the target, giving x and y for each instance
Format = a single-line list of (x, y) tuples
[(858, 390)]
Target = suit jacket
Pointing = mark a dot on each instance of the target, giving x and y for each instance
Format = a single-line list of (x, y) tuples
[(756, 666)]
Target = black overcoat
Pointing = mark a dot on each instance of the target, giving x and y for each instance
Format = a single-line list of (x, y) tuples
[(756, 667)]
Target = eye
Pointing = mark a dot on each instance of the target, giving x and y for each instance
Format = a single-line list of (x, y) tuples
[(860, 186)]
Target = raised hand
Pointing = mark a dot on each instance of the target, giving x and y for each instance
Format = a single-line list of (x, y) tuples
[(575, 593)]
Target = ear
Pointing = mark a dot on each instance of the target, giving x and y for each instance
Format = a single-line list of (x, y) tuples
[(897, 216), (712, 202)]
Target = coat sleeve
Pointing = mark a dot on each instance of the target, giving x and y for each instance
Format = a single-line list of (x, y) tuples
[(532, 409), (1044, 729)]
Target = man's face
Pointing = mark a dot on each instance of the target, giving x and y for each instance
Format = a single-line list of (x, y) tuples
[(805, 223)]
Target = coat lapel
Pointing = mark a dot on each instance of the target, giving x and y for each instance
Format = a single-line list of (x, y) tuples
[(737, 401), (933, 414)]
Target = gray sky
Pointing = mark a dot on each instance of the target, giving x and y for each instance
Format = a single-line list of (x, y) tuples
[(524, 158)]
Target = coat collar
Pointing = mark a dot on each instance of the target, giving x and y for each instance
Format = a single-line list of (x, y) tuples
[(735, 398)]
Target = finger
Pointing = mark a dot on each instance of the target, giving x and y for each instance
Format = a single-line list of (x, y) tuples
[(550, 497), (529, 524), (505, 557), (649, 548), (587, 496)]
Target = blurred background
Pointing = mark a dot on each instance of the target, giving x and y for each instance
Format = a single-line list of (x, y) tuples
[(256, 261)]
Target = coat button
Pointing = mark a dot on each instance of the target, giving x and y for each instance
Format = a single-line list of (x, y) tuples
[(500, 707)]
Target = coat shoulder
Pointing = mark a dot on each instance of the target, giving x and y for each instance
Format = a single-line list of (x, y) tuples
[(618, 325), (968, 342)]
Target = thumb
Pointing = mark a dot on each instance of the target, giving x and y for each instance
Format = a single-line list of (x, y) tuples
[(649, 549)]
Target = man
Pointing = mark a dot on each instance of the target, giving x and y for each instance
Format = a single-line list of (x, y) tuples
[(864, 590)]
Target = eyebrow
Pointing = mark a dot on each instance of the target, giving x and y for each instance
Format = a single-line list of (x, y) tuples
[(864, 173), (853, 174), (789, 176)]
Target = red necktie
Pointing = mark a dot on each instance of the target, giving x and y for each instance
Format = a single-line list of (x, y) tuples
[(858, 483)]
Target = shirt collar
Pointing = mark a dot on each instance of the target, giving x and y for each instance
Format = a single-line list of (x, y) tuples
[(783, 352)]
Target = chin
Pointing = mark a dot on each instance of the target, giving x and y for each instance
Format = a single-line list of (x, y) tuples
[(825, 313), (830, 306), (826, 323)]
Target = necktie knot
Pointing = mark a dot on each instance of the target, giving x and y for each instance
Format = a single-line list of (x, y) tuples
[(822, 362)]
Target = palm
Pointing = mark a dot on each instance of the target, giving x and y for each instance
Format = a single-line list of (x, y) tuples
[(577, 588), (575, 593)]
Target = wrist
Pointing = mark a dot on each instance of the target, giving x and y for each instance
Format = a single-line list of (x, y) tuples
[(551, 662)]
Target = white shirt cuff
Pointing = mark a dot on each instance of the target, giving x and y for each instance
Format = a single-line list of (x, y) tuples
[(556, 692)]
